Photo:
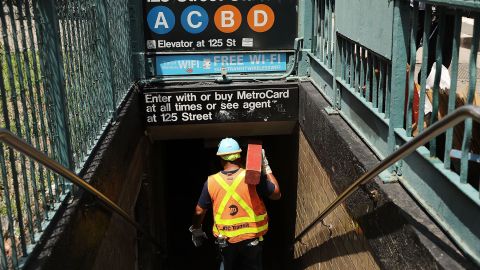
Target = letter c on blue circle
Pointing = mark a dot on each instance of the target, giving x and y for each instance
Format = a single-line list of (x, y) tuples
[(194, 19), (161, 20)]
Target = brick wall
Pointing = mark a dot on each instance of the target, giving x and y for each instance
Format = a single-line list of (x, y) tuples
[(340, 247)]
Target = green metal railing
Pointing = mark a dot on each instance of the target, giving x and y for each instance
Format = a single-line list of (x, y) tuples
[(458, 116), (323, 38), (23, 147), (365, 73), (448, 31), (96, 59), (366, 67), (440, 46), (65, 70)]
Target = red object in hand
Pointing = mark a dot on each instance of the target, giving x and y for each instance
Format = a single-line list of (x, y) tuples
[(254, 162)]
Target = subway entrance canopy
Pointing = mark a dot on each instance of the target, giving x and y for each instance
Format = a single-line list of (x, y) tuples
[(179, 26), (205, 40), (210, 37)]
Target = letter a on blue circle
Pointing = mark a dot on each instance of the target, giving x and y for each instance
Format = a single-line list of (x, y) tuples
[(161, 20), (194, 19)]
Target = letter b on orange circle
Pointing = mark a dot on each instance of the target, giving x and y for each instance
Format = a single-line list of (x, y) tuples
[(260, 18), (228, 18)]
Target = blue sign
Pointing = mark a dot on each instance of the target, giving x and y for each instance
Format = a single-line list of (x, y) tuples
[(213, 63), (194, 19), (161, 20)]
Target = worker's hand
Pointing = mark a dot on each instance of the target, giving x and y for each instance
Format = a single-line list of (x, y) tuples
[(198, 236), (265, 167)]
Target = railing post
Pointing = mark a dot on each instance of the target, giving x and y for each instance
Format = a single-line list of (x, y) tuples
[(52, 66), (336, 66), (398, 75), (103, 36), (137, 38), (306, 15), (305, 29)]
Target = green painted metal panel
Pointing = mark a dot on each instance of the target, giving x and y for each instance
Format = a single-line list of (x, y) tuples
[(470, 4), (322, 78), (453, 88), (399, 49), (366, 22), (442, 194), (305, 25)]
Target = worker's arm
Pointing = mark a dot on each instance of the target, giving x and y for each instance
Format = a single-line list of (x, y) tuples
[(198, 217), (198, 235), (276, 194)]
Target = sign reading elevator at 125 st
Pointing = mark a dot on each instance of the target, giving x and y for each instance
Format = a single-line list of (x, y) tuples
[(220, 106), (206, 25)]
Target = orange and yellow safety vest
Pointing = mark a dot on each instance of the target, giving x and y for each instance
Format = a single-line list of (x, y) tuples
[(239, 213)]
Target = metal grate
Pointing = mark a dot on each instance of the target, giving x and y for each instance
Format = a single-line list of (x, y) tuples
[(365, 73), (120, 48), (65, 68), (440, 45), (323, 31), (29, 191)]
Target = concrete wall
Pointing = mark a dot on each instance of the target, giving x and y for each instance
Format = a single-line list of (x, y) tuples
[(87, 236)]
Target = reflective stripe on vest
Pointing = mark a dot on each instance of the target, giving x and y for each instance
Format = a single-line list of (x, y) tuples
[(239, 232), (230, 193)]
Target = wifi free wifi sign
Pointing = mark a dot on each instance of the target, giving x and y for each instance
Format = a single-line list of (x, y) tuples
[(181, 25)]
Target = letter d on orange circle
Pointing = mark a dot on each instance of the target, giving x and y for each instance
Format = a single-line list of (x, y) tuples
[(260, 18), (228, 18)]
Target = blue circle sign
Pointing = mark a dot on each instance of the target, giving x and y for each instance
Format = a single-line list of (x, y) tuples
[(194, 19), (161, 20)]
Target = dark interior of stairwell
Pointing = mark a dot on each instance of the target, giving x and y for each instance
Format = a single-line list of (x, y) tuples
[(171, 188)]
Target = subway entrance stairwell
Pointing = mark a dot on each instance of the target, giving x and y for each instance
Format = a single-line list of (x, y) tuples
[(111, 112), (178, 170)]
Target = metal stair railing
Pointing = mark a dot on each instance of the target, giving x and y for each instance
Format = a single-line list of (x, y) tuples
[(456, 117), (20, 145)]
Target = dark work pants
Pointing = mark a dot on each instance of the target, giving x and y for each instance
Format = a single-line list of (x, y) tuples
[(242, 256)]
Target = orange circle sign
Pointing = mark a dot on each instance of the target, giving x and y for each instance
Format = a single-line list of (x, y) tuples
[(260, 18), (228, 18)]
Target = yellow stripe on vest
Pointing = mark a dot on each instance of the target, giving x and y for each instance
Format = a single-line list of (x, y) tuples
[(242, 231), (230, 193)]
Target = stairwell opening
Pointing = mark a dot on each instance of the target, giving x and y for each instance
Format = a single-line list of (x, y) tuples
[(172, 185)]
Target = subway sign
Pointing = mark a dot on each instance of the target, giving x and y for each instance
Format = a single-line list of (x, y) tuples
[(193, 64), (180, 105), (181, 25)]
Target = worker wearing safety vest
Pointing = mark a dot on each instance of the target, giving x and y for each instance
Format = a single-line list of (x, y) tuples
[(240, 217)]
